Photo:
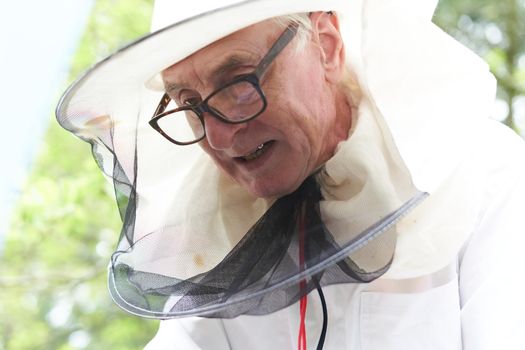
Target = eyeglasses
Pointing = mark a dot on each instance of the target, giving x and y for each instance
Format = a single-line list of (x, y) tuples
[(238, 101)]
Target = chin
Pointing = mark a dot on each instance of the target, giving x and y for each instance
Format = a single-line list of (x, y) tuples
[(271, 189)]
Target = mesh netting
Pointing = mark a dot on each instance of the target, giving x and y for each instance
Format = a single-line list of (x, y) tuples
[(194, 242), (207, 248), (261, 274)]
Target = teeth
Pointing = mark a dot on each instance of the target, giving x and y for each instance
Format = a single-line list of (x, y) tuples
[(255, 154)]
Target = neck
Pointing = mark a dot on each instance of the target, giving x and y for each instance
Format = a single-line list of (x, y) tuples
[(340, 127)]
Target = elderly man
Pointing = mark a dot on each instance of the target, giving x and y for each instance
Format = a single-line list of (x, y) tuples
[(306, 145), (296, 131)]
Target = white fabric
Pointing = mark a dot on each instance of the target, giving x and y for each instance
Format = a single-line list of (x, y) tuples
[(474, 303)]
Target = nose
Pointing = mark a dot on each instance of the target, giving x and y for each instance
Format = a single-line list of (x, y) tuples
[(220, 135)]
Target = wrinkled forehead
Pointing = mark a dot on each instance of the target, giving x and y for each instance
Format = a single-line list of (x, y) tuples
[(245, 47)]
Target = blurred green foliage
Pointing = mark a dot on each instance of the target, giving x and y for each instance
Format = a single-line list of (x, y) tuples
[(496, 31), (53, 291)]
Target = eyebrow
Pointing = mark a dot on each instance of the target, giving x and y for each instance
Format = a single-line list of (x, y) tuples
[(229, 63)]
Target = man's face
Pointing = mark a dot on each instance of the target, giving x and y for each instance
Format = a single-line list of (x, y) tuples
[(272, 154)]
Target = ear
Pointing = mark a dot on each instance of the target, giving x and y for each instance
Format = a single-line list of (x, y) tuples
[(325, 31)]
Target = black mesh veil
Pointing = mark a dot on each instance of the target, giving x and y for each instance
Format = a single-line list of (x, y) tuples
[(170, 265), (195, 243), (261, 274)]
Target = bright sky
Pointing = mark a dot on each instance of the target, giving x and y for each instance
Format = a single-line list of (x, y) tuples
[(37, 41)]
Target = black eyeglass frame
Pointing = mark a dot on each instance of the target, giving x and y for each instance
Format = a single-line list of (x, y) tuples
[(202, 107)]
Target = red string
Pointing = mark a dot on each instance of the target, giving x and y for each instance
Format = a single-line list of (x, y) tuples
[(301, 341), (302, 327)]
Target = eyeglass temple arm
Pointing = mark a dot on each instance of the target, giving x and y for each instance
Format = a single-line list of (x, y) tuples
[(161, 107), (277, 47)]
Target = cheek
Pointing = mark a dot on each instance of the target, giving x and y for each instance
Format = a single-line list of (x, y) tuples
[(296, 116), (205, 146)]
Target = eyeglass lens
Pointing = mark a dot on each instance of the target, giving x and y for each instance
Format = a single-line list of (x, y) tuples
[(183, 126), (236, 102)]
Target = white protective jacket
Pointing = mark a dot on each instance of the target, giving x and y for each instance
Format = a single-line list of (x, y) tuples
[(474, 303)]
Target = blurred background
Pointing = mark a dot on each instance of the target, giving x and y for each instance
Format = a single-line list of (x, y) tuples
[(58, 219)]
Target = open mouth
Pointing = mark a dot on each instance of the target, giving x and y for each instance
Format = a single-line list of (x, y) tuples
[(259, 151)]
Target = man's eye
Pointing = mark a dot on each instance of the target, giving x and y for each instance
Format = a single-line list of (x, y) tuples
[(188, 98), (192, 101)]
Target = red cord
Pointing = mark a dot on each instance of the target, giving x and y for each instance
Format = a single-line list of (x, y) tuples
[(301, 341), (302, 327)]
